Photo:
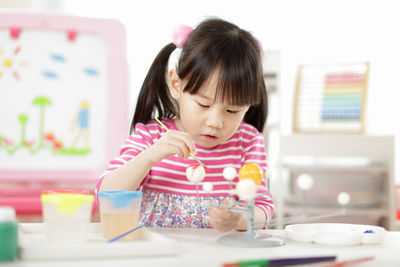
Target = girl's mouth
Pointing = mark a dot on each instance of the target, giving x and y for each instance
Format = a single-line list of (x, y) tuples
[(208, 137)]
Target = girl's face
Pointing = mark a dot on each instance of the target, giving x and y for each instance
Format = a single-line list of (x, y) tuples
[(209, 121)]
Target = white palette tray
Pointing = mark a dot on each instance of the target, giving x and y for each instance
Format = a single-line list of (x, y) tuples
[(335, 233), (33, 245)]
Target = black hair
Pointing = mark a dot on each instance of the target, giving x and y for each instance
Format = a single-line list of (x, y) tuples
[(214, 44)]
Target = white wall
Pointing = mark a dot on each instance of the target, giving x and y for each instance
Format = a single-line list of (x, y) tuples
[(306, 31)]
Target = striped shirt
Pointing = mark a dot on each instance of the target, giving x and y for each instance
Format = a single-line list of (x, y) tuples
[(168, 176)]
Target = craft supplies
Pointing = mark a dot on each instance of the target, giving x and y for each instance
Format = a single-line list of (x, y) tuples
[(8, 234), (66, 215), (280, 262), (251, 171), (125, 234), (119, 213), (337, 234), (191, 154), (349, 262)]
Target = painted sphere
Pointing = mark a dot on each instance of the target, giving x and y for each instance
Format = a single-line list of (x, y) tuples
[(195, 173), (305, 182), (207, 187), (251, 171), (343, 198), (229, 173), (246, 189)]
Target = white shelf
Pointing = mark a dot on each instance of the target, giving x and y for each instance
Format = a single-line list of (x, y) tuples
[(338, 168), (340, 154), (371, 212)]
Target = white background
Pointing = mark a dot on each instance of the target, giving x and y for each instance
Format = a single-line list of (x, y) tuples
[(305, 31)]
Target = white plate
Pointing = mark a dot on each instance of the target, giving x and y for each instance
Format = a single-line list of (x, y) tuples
[(33, 245), (335, 233)]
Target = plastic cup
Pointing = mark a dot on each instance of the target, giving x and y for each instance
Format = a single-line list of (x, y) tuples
[(120, 213), (66, 215)]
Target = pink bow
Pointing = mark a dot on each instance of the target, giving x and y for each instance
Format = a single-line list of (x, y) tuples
[(180, 35), (259, 44)]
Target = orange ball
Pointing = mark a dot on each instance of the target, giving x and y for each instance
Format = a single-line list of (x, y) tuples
[(251, 171)]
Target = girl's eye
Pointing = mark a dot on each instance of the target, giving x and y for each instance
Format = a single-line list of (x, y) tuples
[(232, 111), (203, 106)]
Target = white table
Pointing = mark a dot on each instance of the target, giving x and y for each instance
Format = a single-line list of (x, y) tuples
[(199, 247)]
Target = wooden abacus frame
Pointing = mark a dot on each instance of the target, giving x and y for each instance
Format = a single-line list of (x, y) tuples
[(299, 128)]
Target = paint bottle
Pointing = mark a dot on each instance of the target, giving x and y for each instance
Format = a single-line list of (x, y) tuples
[(66, 215), (8, 234)]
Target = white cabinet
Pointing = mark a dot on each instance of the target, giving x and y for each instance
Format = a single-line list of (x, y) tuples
[(361, 165)]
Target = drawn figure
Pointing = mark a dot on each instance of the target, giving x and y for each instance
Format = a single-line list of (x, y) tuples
[(81, 123)]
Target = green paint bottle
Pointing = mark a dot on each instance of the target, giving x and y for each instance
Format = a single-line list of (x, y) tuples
[(8, 234)]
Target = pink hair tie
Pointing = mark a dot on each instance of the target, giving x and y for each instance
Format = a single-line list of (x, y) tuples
[(259, 44), (180, 35)]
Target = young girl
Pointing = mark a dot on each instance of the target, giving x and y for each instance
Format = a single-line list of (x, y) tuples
[(214, 104)]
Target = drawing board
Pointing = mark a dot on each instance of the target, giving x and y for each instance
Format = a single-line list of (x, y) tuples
[(63, 103)]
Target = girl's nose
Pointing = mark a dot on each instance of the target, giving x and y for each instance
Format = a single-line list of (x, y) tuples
[(214, 120)]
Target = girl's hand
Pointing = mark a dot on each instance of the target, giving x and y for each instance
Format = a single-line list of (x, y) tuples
[(223, 220), (171, 143)]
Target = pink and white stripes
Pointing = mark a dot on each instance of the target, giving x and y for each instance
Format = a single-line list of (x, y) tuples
[(168, 176)]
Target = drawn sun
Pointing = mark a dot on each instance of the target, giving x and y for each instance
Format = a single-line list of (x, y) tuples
[(10, 63)]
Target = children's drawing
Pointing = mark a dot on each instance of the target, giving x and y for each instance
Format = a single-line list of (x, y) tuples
[(57, 111), (48, 140), (10, 62)]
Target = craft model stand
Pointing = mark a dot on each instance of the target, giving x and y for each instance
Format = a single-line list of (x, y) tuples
[(246, 190), (250, 238)]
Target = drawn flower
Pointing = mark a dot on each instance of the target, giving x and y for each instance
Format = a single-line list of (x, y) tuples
[(49, 137), (28, 143), (58, 144), (10, 63), (177, 211), (7, 142)]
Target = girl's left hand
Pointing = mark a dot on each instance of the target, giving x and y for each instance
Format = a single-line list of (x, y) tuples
[(223, 220)]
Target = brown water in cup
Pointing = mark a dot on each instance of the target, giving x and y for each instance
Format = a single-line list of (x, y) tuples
[(114, 224)]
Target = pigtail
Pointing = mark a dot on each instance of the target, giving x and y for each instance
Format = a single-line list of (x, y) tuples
[(154, 98), (257, 114)]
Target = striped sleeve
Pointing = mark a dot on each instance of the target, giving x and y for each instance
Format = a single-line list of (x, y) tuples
[(140, 140), (254, 152)]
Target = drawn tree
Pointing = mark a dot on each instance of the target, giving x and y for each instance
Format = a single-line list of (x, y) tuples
[(41, 101), (23, 118)]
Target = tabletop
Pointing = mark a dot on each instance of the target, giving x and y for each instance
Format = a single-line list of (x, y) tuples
[(200, 247)]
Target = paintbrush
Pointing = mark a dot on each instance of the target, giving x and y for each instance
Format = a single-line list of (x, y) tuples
[(191, 154), (349, 262), (124, 234)]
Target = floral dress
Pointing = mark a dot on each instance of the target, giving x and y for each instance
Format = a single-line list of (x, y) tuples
[(166, 210)]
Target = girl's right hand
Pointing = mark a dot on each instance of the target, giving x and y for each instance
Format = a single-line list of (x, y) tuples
[(172, 143)]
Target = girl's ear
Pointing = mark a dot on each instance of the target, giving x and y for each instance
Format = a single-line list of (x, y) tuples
[(174, 84)]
